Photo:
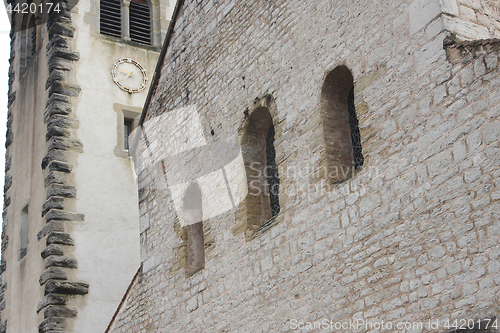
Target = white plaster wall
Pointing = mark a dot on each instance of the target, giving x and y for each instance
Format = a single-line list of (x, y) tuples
[(107, 242)]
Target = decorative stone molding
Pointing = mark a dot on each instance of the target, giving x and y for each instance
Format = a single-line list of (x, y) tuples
[(62, 146), (8, 164), (467, 51)]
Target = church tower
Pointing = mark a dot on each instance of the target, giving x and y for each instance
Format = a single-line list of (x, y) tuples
[(79, 75)]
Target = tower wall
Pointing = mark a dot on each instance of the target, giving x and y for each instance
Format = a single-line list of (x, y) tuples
[(66, 159), (411, 237)]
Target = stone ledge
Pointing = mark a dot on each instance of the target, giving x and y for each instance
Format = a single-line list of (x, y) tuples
[(56, 214), (466, 51)]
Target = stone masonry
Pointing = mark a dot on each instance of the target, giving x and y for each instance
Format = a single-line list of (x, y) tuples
[(412, 237)]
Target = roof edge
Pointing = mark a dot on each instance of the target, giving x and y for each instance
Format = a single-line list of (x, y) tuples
[(161, 59)]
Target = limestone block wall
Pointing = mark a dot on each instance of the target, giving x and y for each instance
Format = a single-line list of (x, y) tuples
[(472, 19), (411, 237)]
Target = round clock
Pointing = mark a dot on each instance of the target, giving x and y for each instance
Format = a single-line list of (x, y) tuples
[(129, 75)]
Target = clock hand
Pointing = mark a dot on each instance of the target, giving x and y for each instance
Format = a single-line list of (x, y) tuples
[(126, 76), (131, 73)]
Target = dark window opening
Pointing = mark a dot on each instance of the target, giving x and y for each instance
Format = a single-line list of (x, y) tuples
[(355, 135), (111, 18), (33, 36), (24, 230), (273, 180), (127, 129), (140, 24)]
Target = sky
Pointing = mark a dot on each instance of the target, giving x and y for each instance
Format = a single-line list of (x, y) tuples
[(4, 71)]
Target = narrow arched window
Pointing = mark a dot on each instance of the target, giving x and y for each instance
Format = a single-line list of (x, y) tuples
[(259, 155), (140, 23), (28, 40), (31, 36), (111, 18), (342, 152), (273, 180), (192, 220), (357, 149)]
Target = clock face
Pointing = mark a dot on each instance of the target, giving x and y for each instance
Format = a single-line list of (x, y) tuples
[(129, 75)]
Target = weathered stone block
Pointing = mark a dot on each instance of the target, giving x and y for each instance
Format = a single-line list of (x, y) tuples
[(60, 166), (52, 249), (60, 63), (61, 191), (422, 12), (54, 155), (60, 311), (52, 226), (61, 29), (64, 89), (58, 41), (55, 178), (57, 131), (491, 132), (53, 203), (63, 53), (59, 238), (51, 324), (55, 75), (58, 98), (51, 299), (53, 273), (69, 288), (61, 143), (60, 261), (56, 214)]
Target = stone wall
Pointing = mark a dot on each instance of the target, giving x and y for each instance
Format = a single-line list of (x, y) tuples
[(472, 19), (411, 237)]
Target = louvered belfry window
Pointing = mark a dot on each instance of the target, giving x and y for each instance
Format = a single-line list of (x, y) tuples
[(140, 24), (139, 20), (111, 18)]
